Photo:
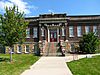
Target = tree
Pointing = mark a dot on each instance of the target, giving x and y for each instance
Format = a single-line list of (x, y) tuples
[(12, 27), (89, 43)]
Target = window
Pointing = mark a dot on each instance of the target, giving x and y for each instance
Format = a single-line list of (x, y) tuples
[(79, 31), (19, 49), (55, 35), (63, 33), (94, 29), (35, 32), (27, 48), (87, 29), (13, 49), (28, 33), (51, 35), (71, 31), (42, 29)]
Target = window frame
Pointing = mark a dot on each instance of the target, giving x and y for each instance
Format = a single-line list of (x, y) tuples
[(13, 49), (35, 31), (94, 27), (79, 33), (71, 29), (26, 49), (28, 35), (18, 49), (87, 30)]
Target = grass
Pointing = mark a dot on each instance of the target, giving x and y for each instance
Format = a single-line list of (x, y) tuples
[(85, 66), (97, 51), (20, 63)]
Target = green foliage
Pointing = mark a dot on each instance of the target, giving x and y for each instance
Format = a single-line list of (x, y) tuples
[(21, 62), (13, 27), (89, 43)]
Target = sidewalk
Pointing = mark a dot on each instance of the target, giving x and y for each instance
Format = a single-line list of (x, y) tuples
[(72, 57), (53, 65), (49, 66)]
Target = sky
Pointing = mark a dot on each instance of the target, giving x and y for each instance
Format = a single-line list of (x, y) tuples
[(70, 7)]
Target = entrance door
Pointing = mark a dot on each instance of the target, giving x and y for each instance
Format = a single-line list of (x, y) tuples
[(53, 36)]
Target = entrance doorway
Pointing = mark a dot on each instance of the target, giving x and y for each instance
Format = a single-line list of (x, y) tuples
[(53, 36)]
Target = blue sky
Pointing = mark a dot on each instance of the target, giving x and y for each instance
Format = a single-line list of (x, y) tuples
[(71, 7)]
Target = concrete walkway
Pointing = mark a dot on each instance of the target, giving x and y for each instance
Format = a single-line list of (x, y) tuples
[(53, 65), (72, 57), (49, 66)]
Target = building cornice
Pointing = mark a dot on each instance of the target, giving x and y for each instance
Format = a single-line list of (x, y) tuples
[(65, 18), (84, 18)]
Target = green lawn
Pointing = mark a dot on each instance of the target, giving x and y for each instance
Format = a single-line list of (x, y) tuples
[(20, 63), (85, 66), (97, 51)]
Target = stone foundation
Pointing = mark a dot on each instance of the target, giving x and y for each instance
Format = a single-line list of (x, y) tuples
[(23, 50)]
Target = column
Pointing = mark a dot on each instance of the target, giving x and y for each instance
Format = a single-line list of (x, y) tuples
[(48, 35), (66, 32), (40, 38), (60, 31), (45, 32), (58, 34)]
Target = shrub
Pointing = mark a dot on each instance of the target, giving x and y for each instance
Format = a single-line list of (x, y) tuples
[(89, 43)]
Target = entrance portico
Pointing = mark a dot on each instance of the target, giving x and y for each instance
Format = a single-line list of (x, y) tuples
[(54, 27), (53, 35), (53, 32)]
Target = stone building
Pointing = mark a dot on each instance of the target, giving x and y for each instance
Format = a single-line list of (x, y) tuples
[(48, 28)]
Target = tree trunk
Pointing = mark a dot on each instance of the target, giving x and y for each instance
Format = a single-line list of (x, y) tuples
[(10, 54)]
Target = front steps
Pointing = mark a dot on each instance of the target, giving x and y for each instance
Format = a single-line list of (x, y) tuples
[(51, 49)]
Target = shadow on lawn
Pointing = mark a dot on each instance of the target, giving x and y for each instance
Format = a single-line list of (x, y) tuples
[(4, 59)]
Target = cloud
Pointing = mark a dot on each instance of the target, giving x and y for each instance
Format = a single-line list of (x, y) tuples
[(23, 6), (51, 11)]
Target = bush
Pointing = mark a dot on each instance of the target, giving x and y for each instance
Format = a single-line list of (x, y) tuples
[(89, 43)]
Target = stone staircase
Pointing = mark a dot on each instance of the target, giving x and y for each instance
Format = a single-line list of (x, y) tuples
[(51, 49)]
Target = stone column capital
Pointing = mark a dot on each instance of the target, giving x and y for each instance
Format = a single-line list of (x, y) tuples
[(39, 24), (60, 24), (66, 23), (45, 24)]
